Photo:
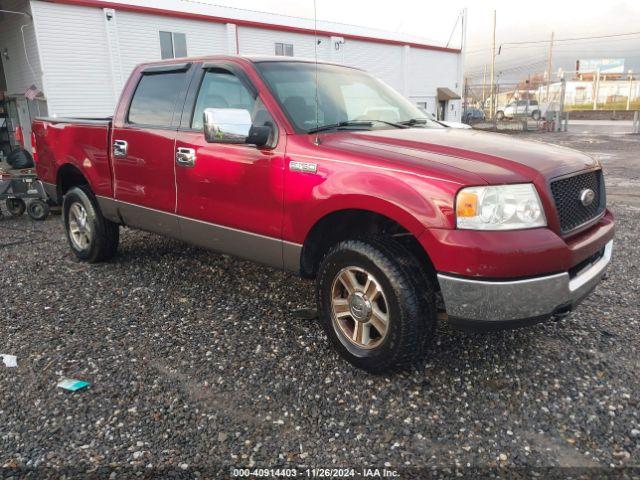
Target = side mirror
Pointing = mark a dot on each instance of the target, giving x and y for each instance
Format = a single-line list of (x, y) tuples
[(233, 125), (226, 125)]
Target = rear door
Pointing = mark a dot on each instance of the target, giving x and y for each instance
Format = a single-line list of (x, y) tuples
[(143, 149), (231, 198)]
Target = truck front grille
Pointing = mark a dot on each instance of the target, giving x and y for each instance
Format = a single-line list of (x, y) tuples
[(567, 196)]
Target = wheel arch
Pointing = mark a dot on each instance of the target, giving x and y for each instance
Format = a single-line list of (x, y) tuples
[(357, 223), (69, 176)]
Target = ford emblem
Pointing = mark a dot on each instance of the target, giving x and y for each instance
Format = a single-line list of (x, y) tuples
[(587, 196)]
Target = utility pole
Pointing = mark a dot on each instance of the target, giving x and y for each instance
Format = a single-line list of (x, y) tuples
[(465, 95), (484, 84), (493, 69), (630, 89), (549, 61), (463, 52), (596, 88)]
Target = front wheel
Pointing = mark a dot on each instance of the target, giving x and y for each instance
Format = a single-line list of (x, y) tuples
[(92, 237), (500, 115), (535, 115), (375, 304)]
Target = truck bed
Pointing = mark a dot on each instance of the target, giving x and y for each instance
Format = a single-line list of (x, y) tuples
[(74, 143)]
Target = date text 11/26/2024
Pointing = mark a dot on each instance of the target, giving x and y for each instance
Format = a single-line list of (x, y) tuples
[(314, 473)]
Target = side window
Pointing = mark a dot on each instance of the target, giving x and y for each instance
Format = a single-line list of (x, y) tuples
[(284, 49), (173, 45), (155, 98), (222, 89)]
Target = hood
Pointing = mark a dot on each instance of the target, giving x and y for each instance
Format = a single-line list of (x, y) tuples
[(496, 158)]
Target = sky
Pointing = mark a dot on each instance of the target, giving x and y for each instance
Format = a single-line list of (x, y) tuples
[(516, 22)]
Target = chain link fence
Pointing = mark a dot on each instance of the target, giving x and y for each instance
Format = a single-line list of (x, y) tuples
[(537, 104)]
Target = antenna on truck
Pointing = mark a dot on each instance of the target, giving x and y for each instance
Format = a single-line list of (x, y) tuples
[(316, 141)]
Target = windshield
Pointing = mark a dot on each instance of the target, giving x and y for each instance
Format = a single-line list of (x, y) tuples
[(345, 96)]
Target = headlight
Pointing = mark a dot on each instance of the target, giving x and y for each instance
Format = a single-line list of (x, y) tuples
[(503, 207)]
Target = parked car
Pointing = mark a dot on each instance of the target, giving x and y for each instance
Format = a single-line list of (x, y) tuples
[(473, 115), (393, 219), (522, 108)]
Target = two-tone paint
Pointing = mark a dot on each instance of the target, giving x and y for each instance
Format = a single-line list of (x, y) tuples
[(249, 202)]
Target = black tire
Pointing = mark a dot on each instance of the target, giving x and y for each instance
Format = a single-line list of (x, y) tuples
[(411, 308), (104, 235), (535, 114), (38, 210), (500, 115), (16, 206)]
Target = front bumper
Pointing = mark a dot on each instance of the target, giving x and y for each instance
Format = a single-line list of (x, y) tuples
[(503, 304)]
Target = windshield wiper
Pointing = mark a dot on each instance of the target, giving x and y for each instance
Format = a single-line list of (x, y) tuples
[(354, 123), (414, 121), (337, 126)]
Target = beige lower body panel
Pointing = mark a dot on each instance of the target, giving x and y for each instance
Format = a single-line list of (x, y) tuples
[(251, 246)]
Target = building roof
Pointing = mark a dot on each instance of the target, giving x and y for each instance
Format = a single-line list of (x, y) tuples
[(198, 10)]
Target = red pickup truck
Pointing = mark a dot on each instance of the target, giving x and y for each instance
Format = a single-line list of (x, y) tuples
[(325, 171)]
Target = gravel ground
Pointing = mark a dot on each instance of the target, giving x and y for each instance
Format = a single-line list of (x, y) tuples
[(200, 362)]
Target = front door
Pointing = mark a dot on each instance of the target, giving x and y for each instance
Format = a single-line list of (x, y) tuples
[(143, 152), (442, 109), (231, 198)]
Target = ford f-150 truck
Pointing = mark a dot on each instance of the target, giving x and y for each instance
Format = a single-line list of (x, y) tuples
[(325, 171)]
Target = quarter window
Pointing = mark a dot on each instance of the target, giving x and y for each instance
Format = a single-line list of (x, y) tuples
[(173, 45), (284, 49), (155, 98)]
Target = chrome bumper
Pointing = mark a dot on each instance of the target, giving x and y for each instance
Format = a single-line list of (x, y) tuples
[(520, 301)]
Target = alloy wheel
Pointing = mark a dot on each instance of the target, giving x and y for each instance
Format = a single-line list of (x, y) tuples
[(359, 308), (79, 228)]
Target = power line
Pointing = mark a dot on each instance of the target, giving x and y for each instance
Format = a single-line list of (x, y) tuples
[(595, 37), (540, 43), (507, 65), (452, 31)]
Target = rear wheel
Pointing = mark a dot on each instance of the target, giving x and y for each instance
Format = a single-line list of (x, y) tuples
[(535, 115), (500, 115), (16, 206), (375, 304), (92, 237), (38, 210)]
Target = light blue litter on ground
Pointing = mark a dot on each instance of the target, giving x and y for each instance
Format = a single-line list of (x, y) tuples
[(72, 385)]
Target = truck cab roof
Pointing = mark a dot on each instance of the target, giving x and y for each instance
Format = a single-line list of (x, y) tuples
[(248, 58)]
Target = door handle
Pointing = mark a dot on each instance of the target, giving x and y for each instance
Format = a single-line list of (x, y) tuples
[(120, 148), (185, 157)]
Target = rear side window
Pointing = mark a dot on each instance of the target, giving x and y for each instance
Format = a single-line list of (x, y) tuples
[(155, 99)]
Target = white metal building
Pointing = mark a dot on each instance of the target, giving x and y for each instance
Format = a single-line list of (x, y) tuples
[(77, 54)]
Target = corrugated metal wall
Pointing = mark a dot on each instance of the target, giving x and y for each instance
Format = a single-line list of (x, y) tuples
[(18, 75), (140, 38), (259, 41), (77, 73), (87, 57), (429, 70), (383, 61)]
